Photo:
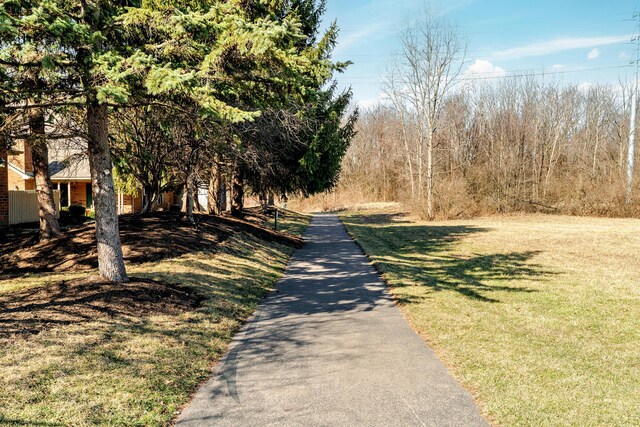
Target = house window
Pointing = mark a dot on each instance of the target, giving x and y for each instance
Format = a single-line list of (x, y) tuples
[(89, 196)]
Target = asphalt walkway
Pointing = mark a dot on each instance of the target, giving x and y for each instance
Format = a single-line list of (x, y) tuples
[(329, 347)]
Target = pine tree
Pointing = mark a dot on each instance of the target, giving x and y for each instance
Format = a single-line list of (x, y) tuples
[(298, 145), (106, 54), (25, 86)]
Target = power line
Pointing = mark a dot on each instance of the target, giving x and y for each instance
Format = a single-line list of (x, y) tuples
[(546, 73), (511, 74), (520, 22)]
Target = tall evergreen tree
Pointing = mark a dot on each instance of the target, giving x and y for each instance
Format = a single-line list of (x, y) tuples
[(111, 53), (298, 146), (25, 86)]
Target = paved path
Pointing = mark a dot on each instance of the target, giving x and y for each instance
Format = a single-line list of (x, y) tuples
[(330, 348)]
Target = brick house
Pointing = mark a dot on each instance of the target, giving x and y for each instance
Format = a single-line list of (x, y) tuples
[(4, 191), (70, 174)]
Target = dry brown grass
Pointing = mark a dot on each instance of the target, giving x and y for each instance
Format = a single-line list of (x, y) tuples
[(539, 315), (125, 360)]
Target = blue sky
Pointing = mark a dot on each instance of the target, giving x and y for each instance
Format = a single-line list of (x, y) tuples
[(582, 42)]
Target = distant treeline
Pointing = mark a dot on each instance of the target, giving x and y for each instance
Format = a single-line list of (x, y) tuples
[(513, 145)]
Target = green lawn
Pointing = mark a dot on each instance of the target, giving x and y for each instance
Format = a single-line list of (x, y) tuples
[(538, 316), (129, 370)]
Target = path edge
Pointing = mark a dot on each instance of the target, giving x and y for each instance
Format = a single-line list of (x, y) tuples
[(437, 351), (243, 329)]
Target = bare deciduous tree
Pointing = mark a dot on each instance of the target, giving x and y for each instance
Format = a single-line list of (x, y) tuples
[(432, 57), (514, 144)]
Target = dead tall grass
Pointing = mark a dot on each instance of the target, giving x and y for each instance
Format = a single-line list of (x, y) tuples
[(460, 198)]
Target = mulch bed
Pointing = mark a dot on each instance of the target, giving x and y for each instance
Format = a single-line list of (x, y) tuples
[(144, 239), (29, 311)]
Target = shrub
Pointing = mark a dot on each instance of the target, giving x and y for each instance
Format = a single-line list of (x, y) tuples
[(77, 210), (65, 216)]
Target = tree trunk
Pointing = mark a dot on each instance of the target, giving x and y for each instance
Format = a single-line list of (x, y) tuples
[(189, 198), (152, 196), (184, 198), (222, 191), (4, 188), (595, 154), (271, 199), (110, 261), (430, 176), (196, 198), (146, 200), (212, 194), (263, 200), (237, 201), (420, 161), (407, 152), (47, 211)]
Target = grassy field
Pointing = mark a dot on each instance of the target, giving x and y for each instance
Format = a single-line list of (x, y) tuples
[(539, 316), (137, 369)]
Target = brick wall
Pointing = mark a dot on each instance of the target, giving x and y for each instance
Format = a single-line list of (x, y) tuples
[(79, 193), (167, 200), (27, 157), (4, 192), (130, 204), (23, 159), (18, 183)]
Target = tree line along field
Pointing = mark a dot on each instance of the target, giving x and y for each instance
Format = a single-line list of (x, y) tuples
[(537, 315), (517, 145)]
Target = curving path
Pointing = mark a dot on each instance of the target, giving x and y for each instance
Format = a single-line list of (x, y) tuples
[(329, 347)]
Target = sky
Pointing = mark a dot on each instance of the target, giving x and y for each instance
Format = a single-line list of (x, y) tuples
[(574, 41)]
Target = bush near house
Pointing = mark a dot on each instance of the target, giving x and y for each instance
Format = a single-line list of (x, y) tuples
[(77, 210)]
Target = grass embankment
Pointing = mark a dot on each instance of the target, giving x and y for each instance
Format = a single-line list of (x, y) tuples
[(92, 356), (289, 222), (539, 316)]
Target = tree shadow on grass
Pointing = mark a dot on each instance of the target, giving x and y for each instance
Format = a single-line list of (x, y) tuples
[(425, 255), (18, 422), (116, 336), (145, 238), (34, 309)]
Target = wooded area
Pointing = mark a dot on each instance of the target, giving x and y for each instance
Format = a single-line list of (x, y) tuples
[(450, 145), (522, 144)]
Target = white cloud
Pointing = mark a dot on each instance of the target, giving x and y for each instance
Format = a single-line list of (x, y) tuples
[(585, 86), (593, 53), (623, 55), (558, 45), (557, 66), (484, 69)]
